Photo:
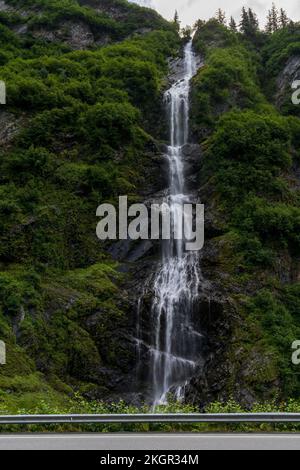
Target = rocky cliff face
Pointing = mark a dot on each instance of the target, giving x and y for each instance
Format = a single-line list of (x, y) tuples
[(89, 23), (142, 259), (237, 364), (74, 329), (10, 126), (68, 312)]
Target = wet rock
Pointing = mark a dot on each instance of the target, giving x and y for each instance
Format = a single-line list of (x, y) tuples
[(214, 218), (176, 67), (130, 250), (192, 157), (142, 249)]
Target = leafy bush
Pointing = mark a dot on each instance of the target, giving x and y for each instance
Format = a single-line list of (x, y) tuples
[(249, 179), (243, 140), (211, 35), (278, 332), (78, 139), (280, 47), (227, 81), (108, 124)]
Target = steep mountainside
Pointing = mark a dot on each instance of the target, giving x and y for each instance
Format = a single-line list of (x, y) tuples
[(251, 191), (84, 123), (78, 24), (74, 134)]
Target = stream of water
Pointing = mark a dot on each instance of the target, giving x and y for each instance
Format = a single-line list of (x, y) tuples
[(175, 341)]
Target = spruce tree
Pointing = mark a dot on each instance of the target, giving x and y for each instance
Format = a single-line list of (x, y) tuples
[(232, 25), (221, 16), (176, 17), (269, 25), (253, 21), (176, 20), (274, 18), (283, 18), (244, 23), (199, 24), (249, 23), (186, 33)]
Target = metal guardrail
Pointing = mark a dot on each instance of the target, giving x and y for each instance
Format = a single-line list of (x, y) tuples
[(153, 418)]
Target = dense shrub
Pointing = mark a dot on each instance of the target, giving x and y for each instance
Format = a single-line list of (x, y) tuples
[(79, 119), (277, 332), (280, 47), (249, 176), (244, 140), (227, 81), (108, 124)]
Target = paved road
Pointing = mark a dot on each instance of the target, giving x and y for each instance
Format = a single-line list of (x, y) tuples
[(150, 442)]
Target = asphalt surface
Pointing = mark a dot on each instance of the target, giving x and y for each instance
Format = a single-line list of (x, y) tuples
[(150, 442)]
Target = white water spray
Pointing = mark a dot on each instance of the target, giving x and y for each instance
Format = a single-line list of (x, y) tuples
[(176, 343)]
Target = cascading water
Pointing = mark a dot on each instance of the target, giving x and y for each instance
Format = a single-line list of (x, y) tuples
[(175, 343)]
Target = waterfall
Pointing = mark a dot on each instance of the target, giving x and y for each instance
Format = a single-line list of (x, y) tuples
[(175, 343)]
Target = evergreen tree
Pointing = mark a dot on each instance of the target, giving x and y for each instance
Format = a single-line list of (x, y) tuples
[(176, 17), (249, 23), (274, 18), (269, 25), (283, 18), (198, 25), (244, 23), (186, 33), (232, 25), (176, 20), (221, 16), (253, 21)]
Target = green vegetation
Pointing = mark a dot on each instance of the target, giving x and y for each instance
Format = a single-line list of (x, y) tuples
[(82, 122), (81, 114), (53, 15), (251, 151), (78, 405), (281, 51)]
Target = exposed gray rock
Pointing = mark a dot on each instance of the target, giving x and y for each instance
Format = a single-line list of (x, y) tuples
[(77, 35), (20, 29), (4, 6), (192, 157), (81, 35), (9, 127), (176, 67), (130, 250)]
